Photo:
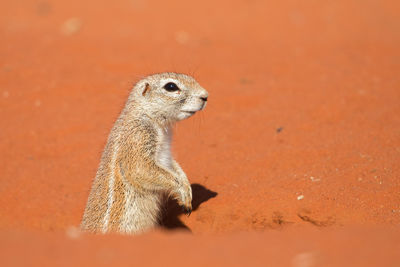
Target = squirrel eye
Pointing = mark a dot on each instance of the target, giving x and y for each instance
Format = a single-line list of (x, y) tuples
[(171, 87)]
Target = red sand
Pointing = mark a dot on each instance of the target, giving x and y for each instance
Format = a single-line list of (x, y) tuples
[(304, 103)]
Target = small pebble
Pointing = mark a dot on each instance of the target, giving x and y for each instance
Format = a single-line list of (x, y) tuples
[(313, 179), (71, 26), (181, 37), (73, 232), (305, 259)]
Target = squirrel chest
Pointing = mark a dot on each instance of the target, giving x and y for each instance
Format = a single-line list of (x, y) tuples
[(163, 154)]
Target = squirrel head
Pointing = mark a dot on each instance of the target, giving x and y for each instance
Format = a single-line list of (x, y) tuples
[(168, 97)]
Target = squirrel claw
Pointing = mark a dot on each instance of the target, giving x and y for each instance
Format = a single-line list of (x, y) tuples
[(187, 211)]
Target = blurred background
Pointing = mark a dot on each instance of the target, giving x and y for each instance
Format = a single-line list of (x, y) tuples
[(302, 129)]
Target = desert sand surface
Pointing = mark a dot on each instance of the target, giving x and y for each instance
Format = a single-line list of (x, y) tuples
[(294, 162)]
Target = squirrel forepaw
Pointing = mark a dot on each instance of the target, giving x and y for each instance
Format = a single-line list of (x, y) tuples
[(184, 198)]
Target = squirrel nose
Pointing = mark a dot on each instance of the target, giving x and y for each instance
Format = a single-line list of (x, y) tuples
[(204, 98)]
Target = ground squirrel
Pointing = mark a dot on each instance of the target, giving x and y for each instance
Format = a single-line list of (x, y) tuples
[(137, 168)]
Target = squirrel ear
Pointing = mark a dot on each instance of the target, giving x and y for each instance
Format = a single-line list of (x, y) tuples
[(146, 88)]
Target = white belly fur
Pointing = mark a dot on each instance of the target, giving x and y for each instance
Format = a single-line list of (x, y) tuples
[(163, 156)]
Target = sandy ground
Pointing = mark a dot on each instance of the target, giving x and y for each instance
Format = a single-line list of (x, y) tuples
[(297, 152)]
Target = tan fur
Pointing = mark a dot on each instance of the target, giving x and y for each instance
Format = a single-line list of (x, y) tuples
[(136, 168)]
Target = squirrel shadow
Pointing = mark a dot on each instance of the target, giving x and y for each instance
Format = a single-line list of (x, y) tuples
[(170, 217)]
